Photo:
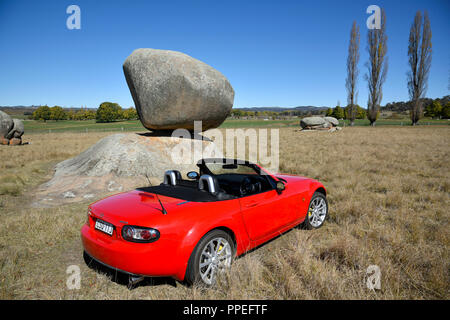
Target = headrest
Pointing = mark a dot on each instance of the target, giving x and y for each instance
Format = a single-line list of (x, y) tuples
[(171, 177), (208, 183)]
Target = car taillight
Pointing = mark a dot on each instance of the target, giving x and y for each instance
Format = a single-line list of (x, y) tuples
[(139, 234), (88, 222)]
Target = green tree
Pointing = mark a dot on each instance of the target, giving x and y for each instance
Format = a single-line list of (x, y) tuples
[(57, 113), (129, 114), (108, 112), (329, 112), (90, 114), (433, 110), (360, 112), (42, 113), (338, 112), (445, 113)]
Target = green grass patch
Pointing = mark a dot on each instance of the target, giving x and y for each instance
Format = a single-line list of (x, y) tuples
[(32, 126)]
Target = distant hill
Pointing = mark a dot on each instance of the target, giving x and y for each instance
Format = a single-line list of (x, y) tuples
[(282, 109), (400, 106), (403, 106), (28, 110)]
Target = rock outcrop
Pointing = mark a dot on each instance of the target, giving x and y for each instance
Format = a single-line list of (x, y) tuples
[(121, 162), (6, 124), (319, 123), (11, 130)]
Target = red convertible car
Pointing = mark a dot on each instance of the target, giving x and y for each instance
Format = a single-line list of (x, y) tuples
[(190, 229)]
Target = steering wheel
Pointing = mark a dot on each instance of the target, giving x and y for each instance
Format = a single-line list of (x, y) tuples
[(248, 186)]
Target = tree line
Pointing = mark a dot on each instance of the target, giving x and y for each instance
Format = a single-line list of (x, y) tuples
[(419, 53), (106, 112)]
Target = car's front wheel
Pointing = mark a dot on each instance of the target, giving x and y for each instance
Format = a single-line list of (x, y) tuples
[(214, 253), (317, 211)]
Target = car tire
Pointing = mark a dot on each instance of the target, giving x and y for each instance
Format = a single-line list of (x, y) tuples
[(317, 212), (198, 264)]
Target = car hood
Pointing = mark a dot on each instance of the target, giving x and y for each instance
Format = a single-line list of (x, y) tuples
[(291, 177)]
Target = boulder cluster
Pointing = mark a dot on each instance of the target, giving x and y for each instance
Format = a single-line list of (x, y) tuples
[(320, 123), (11, 130)]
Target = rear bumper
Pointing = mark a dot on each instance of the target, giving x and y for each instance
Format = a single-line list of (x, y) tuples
[(156, 259), (111, 267)]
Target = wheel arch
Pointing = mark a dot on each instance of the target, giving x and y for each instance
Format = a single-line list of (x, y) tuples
[(321, 190), (227, 230)]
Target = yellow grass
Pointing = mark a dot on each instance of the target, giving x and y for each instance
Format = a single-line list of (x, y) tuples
[(388, 192)]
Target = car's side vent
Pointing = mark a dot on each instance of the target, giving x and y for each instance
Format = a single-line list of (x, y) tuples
[(206, 182), (171, 177)]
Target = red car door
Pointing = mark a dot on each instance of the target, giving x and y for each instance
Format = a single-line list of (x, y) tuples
[(265, 213)]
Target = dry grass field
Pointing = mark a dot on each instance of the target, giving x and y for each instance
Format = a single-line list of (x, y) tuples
[(389, 196)]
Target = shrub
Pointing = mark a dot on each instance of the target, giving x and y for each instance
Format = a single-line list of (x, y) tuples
[(108, 112), (42, 113)]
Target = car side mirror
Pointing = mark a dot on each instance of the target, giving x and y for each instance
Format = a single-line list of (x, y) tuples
[(192, 175), (280, 186)]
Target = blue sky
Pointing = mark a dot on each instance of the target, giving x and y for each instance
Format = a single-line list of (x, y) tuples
[(275, 53)]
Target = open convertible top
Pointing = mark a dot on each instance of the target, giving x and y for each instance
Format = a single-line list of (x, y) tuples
[(219, 179), (181, 192)]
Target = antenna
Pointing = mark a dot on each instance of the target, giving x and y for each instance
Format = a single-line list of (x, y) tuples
[(163, 210)]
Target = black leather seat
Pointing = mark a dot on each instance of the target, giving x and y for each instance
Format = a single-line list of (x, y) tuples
[(208, 183)]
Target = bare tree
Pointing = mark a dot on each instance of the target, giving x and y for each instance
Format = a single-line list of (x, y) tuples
[(419, 52), (352, 72), (377, 68)]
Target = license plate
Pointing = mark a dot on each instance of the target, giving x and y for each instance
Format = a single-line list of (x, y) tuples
[(104, 227)]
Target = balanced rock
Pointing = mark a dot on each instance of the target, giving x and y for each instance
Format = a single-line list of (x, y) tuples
[(6, 124), (171, 90), (17, 129)]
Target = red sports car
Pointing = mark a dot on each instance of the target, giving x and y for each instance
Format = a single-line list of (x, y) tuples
[(190, 229)]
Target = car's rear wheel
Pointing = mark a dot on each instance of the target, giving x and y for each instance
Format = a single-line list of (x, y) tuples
[(214, 253), (317, 211)]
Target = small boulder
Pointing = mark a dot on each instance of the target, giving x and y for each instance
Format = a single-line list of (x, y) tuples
[(17, 130), (332, 120), (15, 142), (171, 90), (6, 124)]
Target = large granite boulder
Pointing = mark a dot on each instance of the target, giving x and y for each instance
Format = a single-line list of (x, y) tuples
[(171, 90), (319, 123), (17, 130), (312, 122), (6, 124)]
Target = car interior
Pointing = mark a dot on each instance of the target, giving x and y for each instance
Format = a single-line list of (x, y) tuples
[(217, 179)]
